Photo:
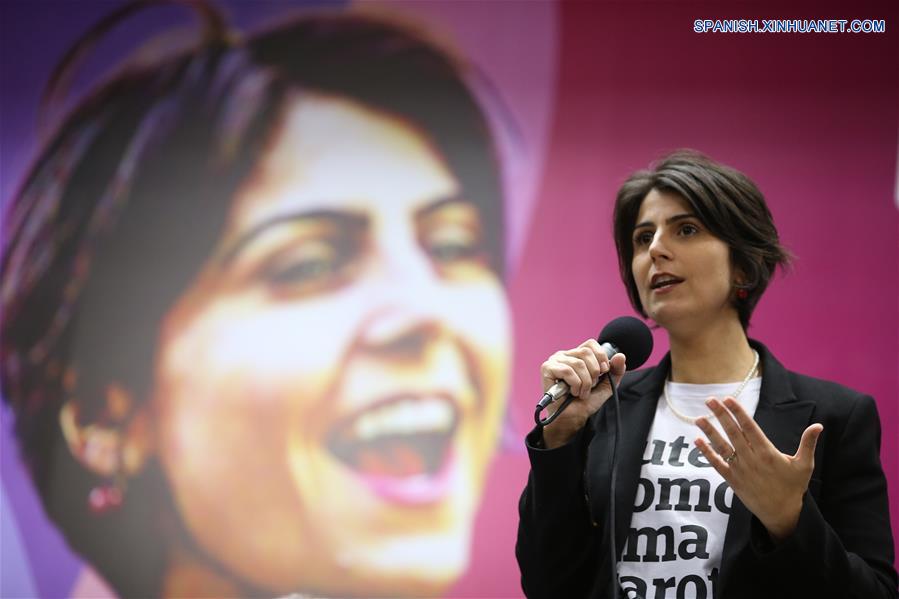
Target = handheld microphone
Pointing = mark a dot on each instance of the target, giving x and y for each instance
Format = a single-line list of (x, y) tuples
[(625, 334), (633, 338)]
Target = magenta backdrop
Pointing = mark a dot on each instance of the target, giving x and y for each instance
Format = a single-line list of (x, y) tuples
[(811, 118), (598, 90)]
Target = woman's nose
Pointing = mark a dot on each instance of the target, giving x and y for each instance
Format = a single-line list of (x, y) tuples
[(658, 248)]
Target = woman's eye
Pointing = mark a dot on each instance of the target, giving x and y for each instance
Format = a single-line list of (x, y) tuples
[(688, 230), (644, 238)]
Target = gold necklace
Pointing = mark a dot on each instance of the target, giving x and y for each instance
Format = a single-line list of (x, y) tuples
[(692, 420)]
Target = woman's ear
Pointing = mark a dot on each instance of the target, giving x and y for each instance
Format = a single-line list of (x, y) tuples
[(738, 275), (117, 442), (739, 278)]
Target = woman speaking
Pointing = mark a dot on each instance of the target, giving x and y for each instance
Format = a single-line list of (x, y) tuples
[(734, 477)]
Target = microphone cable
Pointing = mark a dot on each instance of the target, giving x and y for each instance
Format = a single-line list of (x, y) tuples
[(540, 407), (613, 549)]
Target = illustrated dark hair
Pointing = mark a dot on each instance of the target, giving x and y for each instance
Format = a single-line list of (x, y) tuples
[(727, 203), (127, 199)]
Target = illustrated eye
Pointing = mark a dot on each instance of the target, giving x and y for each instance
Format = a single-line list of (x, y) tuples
[(454, 248), (303, 271), (314, 262), (451, 234)]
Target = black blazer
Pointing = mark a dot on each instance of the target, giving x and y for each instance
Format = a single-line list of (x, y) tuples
[(842, 546)]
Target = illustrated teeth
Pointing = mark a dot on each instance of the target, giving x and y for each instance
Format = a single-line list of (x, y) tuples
[(404, 417)]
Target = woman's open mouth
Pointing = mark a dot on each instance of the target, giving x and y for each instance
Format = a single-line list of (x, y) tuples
[(662, 283), (400, 448)]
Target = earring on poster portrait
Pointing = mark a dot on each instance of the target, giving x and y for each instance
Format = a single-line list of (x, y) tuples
[(109, 495), (106, 447), (742, 293), (110, 445)]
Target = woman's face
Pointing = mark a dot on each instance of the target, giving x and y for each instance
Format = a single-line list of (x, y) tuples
[(683, 272), (330, 389)]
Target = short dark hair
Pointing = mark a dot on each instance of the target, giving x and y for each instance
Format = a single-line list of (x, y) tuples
[(127, 199), (727, 203)]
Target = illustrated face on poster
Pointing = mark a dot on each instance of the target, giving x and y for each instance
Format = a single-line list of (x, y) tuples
[(261, 340), (338, 367)]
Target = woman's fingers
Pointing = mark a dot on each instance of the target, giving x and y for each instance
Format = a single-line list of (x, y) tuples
[(719, 445), (751, 430), (596, 361), (805, 455), (584, 381), (580, 368), (769, 483), (573, 371), (729, 424), (559, 369), (714, 457), (618, 365)]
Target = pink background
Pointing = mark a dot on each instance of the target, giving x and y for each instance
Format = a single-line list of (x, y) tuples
[(597, 90)]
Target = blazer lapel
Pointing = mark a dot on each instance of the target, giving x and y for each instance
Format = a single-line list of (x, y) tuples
[(783, 418), (638, 407)]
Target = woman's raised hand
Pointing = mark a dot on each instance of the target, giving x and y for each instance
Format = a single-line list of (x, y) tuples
[(580, 368), (769, 483)]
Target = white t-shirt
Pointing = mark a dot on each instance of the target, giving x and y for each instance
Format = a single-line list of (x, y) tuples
[(673, 547)]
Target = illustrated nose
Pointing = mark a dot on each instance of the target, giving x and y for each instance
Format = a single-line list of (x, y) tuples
[(399, 330), (405, 302)]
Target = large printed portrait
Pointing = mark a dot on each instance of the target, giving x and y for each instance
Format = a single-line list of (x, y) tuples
[(256, 332)]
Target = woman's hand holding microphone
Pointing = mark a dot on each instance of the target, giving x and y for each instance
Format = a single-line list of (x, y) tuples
[(580, 368)]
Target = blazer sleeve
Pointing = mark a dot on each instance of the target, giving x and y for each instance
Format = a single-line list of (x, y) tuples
[(557, 548), (842, 546)]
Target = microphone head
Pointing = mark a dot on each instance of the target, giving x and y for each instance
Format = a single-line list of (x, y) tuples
[(632, 338)]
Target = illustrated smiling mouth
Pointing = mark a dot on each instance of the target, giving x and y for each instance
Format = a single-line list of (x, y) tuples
[(405, 437)]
